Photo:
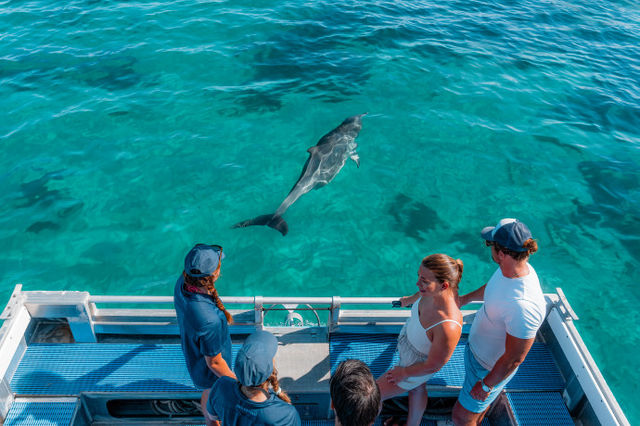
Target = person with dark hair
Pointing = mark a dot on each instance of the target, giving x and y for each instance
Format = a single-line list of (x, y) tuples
[(355, 396), (505, 327), (430, 335), (256, 397), (203, 319)]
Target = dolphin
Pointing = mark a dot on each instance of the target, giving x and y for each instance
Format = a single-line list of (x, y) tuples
[(326, 159)]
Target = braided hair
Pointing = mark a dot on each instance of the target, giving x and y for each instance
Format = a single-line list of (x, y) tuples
[(273, 381), (208, 283)]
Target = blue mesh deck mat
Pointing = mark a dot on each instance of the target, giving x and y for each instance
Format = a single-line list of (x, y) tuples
[(378, 351), (68, 369), (538, 372), (30, 413), (539, 408), (378, 422)]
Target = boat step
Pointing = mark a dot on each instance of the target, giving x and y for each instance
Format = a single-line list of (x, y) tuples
[(539, 408)]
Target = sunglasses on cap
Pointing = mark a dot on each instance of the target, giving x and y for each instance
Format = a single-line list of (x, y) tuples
[(219, 250)]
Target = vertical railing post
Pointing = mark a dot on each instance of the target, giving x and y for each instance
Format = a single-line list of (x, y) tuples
[(81, 325), (258, 313), (334, 313)]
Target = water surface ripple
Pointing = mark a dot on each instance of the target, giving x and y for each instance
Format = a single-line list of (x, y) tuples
[(132, 130)]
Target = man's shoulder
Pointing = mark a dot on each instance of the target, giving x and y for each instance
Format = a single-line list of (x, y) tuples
[(528, 304)]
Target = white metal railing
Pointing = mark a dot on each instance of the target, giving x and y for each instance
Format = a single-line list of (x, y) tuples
[(247, 300), (86, 319)]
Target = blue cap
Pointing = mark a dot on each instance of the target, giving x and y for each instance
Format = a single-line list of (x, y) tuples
[(254, 362), (204, 258), (509, 233)]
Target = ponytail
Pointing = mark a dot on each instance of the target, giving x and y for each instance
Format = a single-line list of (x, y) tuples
[(531, 245), (273, 381), (460, 266)]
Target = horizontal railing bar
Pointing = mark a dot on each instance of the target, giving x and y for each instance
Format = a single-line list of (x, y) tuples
[(249, 300), (131, 299)]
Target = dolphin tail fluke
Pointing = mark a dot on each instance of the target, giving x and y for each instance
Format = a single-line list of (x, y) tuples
[(272, 220)]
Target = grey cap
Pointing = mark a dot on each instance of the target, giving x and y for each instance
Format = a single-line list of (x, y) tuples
[(254, 362)]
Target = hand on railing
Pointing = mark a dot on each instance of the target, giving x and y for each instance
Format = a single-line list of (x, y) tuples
[(401, 303)]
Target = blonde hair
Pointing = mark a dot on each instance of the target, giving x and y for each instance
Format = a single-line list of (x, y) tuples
[(445, 268)]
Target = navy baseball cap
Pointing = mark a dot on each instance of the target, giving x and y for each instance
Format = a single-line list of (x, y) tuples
[(509, 233), (254, 362), (204, 258)]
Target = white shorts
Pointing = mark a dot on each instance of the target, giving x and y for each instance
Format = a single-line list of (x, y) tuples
[(409, 355)]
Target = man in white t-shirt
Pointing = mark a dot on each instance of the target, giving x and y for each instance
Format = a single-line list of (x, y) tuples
[(505, 327)]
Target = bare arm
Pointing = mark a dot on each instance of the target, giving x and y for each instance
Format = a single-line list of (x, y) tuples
[(514, 354), (445, 339), (408, 300), (477, 294), (219, 366)]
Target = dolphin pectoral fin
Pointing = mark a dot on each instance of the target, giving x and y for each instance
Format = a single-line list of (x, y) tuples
[(356, 158), (272, 220)]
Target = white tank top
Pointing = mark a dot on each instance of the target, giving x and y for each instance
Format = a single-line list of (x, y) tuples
[(417, 334)]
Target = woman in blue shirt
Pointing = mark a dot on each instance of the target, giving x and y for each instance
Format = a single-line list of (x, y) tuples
[(203, 319)]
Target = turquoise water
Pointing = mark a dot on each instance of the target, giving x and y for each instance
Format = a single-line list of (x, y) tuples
[(132, 130)]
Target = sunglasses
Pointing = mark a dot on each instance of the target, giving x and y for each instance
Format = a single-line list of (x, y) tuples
[(489, 243), (219, 250)]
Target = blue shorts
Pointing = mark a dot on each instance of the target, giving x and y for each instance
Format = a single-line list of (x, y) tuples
[(474, 371)]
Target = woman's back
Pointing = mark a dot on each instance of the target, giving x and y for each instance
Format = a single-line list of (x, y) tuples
[(425, 317)]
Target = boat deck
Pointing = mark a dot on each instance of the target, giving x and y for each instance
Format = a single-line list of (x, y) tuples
[(128, 371)]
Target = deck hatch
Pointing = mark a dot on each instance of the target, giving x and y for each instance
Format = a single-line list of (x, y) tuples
[(40, 413)]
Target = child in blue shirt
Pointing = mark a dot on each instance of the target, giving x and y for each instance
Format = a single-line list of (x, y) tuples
[(249, 401)]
